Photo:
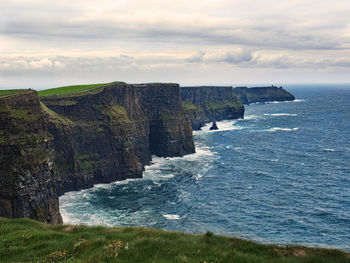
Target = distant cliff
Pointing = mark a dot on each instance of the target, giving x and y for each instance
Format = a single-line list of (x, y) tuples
[(208, 103), (262, 94), (70, 142)]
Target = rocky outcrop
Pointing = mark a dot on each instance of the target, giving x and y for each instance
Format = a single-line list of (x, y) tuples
[(262, 94), (27, 186), (208, 103), (214, 126), (111, 135), (75, 141)]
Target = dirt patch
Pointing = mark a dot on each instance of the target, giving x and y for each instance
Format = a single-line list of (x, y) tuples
[(79, 243), (69, 229), (300, 253)]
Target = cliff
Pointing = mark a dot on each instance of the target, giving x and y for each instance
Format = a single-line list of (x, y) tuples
[(27, 187), (262, 94), (101, 135), (208, 103)]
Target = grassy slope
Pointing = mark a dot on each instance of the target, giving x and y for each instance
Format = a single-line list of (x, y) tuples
[(69, 89), (10, 92), (24, 240)]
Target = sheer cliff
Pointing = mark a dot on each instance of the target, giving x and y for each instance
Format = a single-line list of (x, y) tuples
[(70, 142), (262, 94), (208, 103), (27, 187)]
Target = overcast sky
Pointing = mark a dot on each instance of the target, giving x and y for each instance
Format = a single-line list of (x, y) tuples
[(45, 44)]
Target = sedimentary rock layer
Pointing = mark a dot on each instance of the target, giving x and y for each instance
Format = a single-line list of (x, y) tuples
[(262, 94), (71, 142), (27, 186), (208, 103)]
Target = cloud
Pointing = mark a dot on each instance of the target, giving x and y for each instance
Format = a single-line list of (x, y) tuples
[(137, 37), (241, 56), (171, 31), (41, 64), (196, 58)]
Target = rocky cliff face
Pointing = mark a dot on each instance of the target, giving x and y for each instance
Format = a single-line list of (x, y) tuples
[(111, 135), (27, 187), (208, 103), (262, 94), (105, 135)]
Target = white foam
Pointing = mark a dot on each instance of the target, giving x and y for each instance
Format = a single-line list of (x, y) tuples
[(280, 114), (250, 117), (200, 152), (110, 185), (155, 171), (227, 125), (286, 101), (282, 129), (172, 217), (198, 176), (68, 218), (329, 150), (276, 102)]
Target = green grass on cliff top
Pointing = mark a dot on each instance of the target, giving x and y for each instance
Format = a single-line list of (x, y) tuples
[(70, 89), (10, 92), (24, 240)]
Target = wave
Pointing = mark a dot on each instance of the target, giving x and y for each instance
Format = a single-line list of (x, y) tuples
[(282, 129), (280, 114), (250, 117), (172, 217), (287, 101), (227, 125), (329, 150), (275, 102)]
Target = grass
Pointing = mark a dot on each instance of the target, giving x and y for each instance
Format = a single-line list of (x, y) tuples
[(224, 104), (10, 92), (188, 105), (22, 114), (55, 117), (117, 112), (70, 89), (24, 240)]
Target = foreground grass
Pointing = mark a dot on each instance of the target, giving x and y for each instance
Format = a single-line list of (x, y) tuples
[(69, 89), (24, 240)]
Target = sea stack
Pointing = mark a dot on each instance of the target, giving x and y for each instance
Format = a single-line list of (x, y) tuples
[(214, 126)]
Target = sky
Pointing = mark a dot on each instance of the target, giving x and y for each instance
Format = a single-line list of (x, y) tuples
[(45, 44)]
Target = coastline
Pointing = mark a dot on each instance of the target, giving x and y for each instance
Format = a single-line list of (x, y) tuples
[(275, 114)]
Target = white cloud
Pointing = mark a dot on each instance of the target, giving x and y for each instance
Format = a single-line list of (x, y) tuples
[(137, 37), (41, 64), (198, 57)]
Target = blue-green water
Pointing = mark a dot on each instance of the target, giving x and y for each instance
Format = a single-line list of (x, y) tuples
[(281, 175)]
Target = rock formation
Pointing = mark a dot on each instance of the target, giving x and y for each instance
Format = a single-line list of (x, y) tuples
[(214, 126), (71, 142), (208, 103), (27, 186), (262, 94)]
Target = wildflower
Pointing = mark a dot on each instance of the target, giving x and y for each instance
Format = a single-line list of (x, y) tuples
[(120, 244)]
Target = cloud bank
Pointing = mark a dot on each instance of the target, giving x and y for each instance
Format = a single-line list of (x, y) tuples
[(191, 42)]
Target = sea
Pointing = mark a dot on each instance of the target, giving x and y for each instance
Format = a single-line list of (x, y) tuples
[(279, 176)]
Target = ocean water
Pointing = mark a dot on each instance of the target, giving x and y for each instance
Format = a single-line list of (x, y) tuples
[(281, 175)]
